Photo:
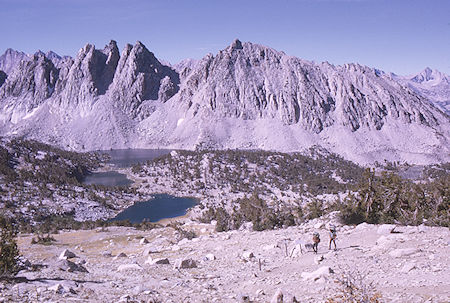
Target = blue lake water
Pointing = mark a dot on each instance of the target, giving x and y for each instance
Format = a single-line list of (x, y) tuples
[(161, 207), (108, 178), (122, 158), (129, 157)]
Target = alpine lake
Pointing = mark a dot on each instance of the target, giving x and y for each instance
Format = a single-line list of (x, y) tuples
[(162, 206)]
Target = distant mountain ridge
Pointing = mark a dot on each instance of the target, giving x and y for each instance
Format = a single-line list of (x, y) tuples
[(432, 85), (246, 96)]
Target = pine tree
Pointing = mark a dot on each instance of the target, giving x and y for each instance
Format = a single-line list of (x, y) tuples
[(9, 252)]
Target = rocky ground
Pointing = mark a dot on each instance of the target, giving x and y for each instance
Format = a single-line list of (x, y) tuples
[(128, 265)]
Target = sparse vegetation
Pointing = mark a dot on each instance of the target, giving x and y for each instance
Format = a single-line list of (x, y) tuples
[(38, 181), (390, 199), (182, 232), (354, 287), (44, 240), (255, 210)]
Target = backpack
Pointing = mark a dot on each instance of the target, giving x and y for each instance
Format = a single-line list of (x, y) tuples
[(333, 234), (316, 238)]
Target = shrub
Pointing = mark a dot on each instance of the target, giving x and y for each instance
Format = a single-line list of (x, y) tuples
[(352, 286), (181, 232), (314, 209), (44, 240)]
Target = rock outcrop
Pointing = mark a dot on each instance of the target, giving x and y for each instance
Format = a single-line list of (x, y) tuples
[(11, 59), (88, 76), (139, 77)]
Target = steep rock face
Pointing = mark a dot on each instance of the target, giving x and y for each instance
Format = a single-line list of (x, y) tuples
[(27, 87), (88, 76), (250, 81), (246, 96), (33, 80), (3, 77), (140, 77), (11, 59)]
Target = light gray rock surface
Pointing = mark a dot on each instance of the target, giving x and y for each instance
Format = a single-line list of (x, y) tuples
[(246, 96), (413, 278)]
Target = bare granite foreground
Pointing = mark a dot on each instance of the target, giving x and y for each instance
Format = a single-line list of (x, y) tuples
[(410, 264)]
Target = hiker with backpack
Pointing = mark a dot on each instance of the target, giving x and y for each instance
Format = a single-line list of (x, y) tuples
[(316, 240), (333, 236)]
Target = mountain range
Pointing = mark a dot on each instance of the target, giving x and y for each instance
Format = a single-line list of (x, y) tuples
[(247, 96)]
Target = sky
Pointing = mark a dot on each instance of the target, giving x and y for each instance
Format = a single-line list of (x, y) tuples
[(400, 36)]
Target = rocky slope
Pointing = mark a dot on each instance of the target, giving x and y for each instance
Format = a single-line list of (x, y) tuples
[(247, 96), (121, 264)]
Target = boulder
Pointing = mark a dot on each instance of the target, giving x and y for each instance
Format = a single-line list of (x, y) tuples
[(247, 255), (125, 267), (318, 259), (66, 254), (121, 255), (143, 241), (152, 261), (390, 240), (61, 289), (269, 247), (408, 267), (107, 254), (70, 266), (125, 298), (422, 228), (244, 298), (296, 251), (184, 263), (246, 226), (403, 252), (319, 225), (277, 297), (57, 288), (183, 241), (289, 298), (362, 226), (322, 272), (210, 257), (149, 250)]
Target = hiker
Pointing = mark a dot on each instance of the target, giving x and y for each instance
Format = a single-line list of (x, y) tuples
[(333, 236), (316, 240)]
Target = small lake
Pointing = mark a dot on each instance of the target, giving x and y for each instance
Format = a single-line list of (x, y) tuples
[(161, 207), (108, 178), (122, 158), (129, 157)]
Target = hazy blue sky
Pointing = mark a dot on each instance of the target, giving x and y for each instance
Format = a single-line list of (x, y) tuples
[(402, 36)]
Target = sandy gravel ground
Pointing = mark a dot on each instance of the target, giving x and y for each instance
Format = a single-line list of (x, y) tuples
[(410, 265)]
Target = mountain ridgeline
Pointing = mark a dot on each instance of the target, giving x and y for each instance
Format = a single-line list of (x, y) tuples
[(247, 96)]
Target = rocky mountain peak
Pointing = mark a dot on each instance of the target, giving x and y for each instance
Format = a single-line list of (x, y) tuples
[(139, 77), (90, 74), (429, 75), (11, 59), (236, 44), (39, 54), (245, 96), (253, 82), (31, 83)]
